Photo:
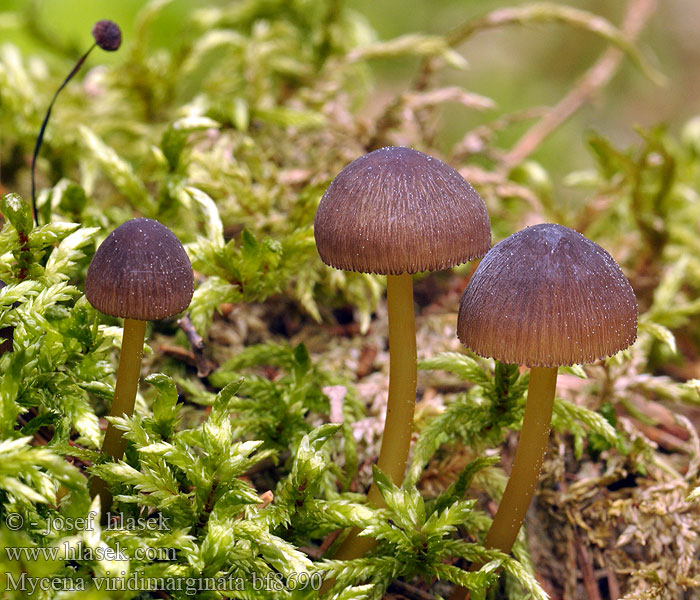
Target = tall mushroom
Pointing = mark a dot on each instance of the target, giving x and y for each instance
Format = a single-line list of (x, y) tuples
[(141, 273), (544, 297), (397, 211)]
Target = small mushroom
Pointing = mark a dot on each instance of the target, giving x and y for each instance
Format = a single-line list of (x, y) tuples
[(141, 273), (544, 297), (397, 211)]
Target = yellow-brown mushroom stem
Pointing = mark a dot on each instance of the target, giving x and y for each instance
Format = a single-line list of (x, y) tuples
[(532, 447), (398, 425), (125, 390), (127, 384)]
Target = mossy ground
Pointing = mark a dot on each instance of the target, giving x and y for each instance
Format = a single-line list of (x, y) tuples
[(229, 137)]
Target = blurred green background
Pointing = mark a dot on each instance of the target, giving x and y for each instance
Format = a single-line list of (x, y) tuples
[(517, 66)]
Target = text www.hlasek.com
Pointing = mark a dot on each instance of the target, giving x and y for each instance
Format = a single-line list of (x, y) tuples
[(68, 551)]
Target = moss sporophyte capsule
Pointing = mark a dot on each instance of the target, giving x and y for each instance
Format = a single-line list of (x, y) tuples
[(140, 273), (544, 297), (397, 211), (107, 36)]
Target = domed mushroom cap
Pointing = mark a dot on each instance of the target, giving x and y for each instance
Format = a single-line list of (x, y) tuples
[(547, 296), (397, 210), (140, 271)]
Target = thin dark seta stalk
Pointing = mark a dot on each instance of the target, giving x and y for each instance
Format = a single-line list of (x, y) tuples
[(40, 137)]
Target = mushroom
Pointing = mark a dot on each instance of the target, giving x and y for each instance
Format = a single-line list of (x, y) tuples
[(544, 297), (141, 273), (397, 211)]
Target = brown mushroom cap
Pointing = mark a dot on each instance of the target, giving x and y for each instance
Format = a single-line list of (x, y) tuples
[(547, 296), (140, 271), (397, 210)]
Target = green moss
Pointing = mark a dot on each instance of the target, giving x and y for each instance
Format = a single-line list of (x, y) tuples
[(229, 133)]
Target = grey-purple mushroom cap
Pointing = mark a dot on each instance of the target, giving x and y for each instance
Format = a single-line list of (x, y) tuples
[(140, 271), (547, 296), (397, 210)]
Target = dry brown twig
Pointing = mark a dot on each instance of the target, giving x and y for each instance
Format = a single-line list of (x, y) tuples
[(585, 562), (637, 15), (409, 591)]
